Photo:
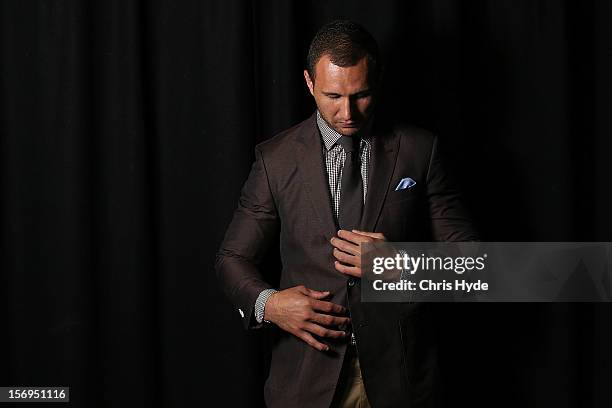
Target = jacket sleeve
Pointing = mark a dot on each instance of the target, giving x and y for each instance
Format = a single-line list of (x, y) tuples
[(254, 225), (449, 218)]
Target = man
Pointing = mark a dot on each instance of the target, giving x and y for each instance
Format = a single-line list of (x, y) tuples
[(327, 185)]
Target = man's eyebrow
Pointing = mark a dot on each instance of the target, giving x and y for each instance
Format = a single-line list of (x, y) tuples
[(362, 92), (358, 93)]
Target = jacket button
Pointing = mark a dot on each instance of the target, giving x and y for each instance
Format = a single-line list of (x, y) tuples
[(351, 282)]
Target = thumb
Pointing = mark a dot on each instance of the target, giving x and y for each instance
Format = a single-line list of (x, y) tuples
[(317, 294)]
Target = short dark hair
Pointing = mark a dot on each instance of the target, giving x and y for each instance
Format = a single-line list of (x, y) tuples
[(346, 43)]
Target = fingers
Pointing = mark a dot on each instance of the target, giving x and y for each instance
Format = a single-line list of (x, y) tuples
[(375, 235), (312, 293), (346, 258), (354, 238), (315, 294), (324, 331), (345, 246), (348, 270), (305, 334), (359, 237), (327, 307), (307, 337), (327, 320)]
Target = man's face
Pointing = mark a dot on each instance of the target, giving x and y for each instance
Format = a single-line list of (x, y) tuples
[(343, 96)]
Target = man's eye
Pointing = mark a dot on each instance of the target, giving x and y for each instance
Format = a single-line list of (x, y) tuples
[(334, 96)]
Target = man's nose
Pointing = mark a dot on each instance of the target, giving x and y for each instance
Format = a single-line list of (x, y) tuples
[(346, 110)]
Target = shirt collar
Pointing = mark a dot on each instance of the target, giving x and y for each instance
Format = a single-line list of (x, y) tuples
[(330, 136)]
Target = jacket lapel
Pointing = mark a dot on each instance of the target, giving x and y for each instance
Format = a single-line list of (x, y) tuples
[(384, 156), (314, 177)]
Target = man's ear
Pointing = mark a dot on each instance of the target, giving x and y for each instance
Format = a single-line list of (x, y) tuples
[(309, 82)]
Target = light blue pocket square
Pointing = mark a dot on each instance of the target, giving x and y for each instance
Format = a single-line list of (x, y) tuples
[(405, 183)]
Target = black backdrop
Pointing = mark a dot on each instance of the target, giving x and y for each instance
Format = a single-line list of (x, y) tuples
[(127, 129)]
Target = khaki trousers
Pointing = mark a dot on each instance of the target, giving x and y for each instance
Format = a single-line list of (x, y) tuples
[(350, 392)]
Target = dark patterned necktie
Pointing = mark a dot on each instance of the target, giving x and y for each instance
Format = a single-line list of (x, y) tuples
[(351, 190)]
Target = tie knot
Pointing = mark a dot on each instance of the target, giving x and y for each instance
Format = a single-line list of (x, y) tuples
[(350, 144)]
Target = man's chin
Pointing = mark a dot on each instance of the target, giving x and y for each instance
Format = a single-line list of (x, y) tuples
[(347, 131)]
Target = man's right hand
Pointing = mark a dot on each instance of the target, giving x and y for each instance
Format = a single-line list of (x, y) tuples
[(301, 312)]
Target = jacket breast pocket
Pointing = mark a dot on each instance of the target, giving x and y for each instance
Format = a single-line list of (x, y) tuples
[(402, 196)]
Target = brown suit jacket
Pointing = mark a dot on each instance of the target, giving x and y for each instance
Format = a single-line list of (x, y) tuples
[(287, 193)]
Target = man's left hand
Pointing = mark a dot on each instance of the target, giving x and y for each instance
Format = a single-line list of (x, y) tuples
[(347, 250)]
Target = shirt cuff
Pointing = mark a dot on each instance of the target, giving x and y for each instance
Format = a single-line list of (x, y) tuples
[(260, 304)]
